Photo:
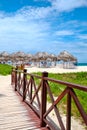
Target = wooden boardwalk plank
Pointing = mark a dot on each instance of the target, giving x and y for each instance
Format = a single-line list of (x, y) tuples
[(14, 113)]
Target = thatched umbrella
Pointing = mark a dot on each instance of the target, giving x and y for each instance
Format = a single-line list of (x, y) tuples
[(4, 56), (66, 57), (41, 57), (19, 56), (12, 57), (28, 59), (53, 58), (1, 59)]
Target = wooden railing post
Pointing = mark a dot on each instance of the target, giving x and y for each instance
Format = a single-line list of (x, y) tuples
[(43, 98), (16, 78), (19, 79), (12, 76), (68, 120), (32, 80), (24, 84)]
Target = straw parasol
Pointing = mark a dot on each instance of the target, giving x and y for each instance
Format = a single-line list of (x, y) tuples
[(41, 57), (67, 57), (53, 59), (29, 57), (17, 57), (20, 56), (4, 56)]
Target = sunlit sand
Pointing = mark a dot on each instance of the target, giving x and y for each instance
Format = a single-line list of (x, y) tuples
[(56, 69)]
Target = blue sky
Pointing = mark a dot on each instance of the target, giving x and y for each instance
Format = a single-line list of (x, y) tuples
[(44, 25)]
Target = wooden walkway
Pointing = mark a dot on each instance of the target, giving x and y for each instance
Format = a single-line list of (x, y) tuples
[(15, 114)]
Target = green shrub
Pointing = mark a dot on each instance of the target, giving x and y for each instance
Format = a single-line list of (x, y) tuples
[(5, 69)]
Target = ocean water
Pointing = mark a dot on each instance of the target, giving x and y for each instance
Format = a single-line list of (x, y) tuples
[(81, 64)]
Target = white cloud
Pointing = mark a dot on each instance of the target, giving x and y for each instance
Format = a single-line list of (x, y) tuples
[(64, 33), (35, 12), (83, 36), (21, 32), (63, 5)]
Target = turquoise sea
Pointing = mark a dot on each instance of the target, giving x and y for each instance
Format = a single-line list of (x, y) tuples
[(81, 64)]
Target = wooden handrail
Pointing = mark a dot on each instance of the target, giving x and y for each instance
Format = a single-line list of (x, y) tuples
[(30, 91), (71, 85)]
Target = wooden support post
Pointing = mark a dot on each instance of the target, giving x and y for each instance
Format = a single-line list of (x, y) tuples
[(16, 78), (43, 98), (19, 78), (24, 84), (68, 121), (12, 77), (32, 80)]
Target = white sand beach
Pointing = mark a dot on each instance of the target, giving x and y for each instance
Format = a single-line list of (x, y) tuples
[(56, 69), (6, 81)]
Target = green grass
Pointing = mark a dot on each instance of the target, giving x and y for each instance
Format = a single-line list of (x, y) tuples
[(5, 69), (76, 78)]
